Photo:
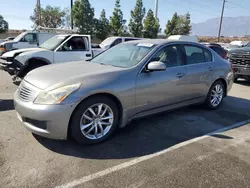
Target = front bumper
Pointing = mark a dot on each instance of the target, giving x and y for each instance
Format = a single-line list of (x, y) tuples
[(241, 70), (11, 67), (49, 121)]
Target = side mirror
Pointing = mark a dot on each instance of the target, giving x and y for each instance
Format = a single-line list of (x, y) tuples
[(156, 66)]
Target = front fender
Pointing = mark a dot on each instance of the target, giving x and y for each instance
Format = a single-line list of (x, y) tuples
[(44, 55)]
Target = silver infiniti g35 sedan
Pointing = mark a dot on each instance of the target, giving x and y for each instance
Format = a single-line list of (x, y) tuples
[(90, 100)]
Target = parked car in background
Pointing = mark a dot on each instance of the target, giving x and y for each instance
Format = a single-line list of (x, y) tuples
[(236, 44), (58, 49), (240, 58), (218, 49), (25, 40), (9, 38), (113, 41), (184, 38), (90, 100), (211, 44)]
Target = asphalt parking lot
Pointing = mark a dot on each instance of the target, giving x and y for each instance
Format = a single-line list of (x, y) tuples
[(165, 150)]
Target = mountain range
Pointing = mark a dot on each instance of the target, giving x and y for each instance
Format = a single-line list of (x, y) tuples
[(231, 26)]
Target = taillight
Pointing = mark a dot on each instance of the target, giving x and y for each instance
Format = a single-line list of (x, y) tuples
[(232, 67), (224, 55)]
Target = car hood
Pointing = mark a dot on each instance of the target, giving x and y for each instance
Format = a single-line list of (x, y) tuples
[(51, 76), (241, 50), (13, 52), (9, 42)]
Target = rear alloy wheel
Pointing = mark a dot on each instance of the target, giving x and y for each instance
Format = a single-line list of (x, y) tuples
[(94, 120), (215, 95)]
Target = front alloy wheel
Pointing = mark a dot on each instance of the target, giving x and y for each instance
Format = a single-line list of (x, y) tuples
[(94, 120)]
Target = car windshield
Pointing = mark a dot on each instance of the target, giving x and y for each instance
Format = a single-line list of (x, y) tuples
[(124, 55), (19, 37), (53, 42), (233, 46), (248, 45)]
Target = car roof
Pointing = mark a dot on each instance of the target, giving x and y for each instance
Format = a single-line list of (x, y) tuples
[(162, 41), (116, 37)]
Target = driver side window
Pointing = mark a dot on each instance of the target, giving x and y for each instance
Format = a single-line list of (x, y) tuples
[(30, 37), (170, 55), (74, 44)]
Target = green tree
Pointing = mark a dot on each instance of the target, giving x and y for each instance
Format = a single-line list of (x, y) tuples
[(137, 15), (151, 25), (172, 27), (4, 26), (116, 21), (83, 16), (52, 17), (102, 26), (185, 24), (178, 25), (67, 18)]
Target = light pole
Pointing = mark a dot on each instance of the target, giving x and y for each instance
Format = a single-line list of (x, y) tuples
[(39, 12), (156, 9), (221, 19), (71, 14)]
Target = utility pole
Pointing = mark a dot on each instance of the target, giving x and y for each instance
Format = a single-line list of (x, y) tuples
[(221, 19), (38, 5), (156, 9), (71, 13)]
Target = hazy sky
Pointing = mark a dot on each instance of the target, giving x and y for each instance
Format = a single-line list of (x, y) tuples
[(17, 12)]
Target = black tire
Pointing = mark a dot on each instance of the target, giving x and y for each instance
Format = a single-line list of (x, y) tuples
[(208, 102), (236, 79), (74, 126), (248, 79)]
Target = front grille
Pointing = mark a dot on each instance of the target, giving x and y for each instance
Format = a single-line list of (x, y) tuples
[(240, 59), (25, 93)]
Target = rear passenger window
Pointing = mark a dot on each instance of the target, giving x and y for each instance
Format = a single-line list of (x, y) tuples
[(194, 55), (208, 56)]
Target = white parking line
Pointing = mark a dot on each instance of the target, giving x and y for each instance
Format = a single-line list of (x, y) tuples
[(144, 158)]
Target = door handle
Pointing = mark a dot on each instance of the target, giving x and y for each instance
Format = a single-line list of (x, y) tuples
[(210, 68), (179, 75), (88, 55)]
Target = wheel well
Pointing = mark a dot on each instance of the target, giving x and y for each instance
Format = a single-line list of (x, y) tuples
[(114, 98), (225, 85), (37, 61)]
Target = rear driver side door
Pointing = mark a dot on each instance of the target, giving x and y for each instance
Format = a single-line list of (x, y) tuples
[(199, 66)]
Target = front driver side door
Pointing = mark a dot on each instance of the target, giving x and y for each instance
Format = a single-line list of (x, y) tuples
[(76, 48), (161, 88)]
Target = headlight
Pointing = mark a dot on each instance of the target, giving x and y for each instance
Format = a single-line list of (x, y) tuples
[(2, 49), (56, 96)]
